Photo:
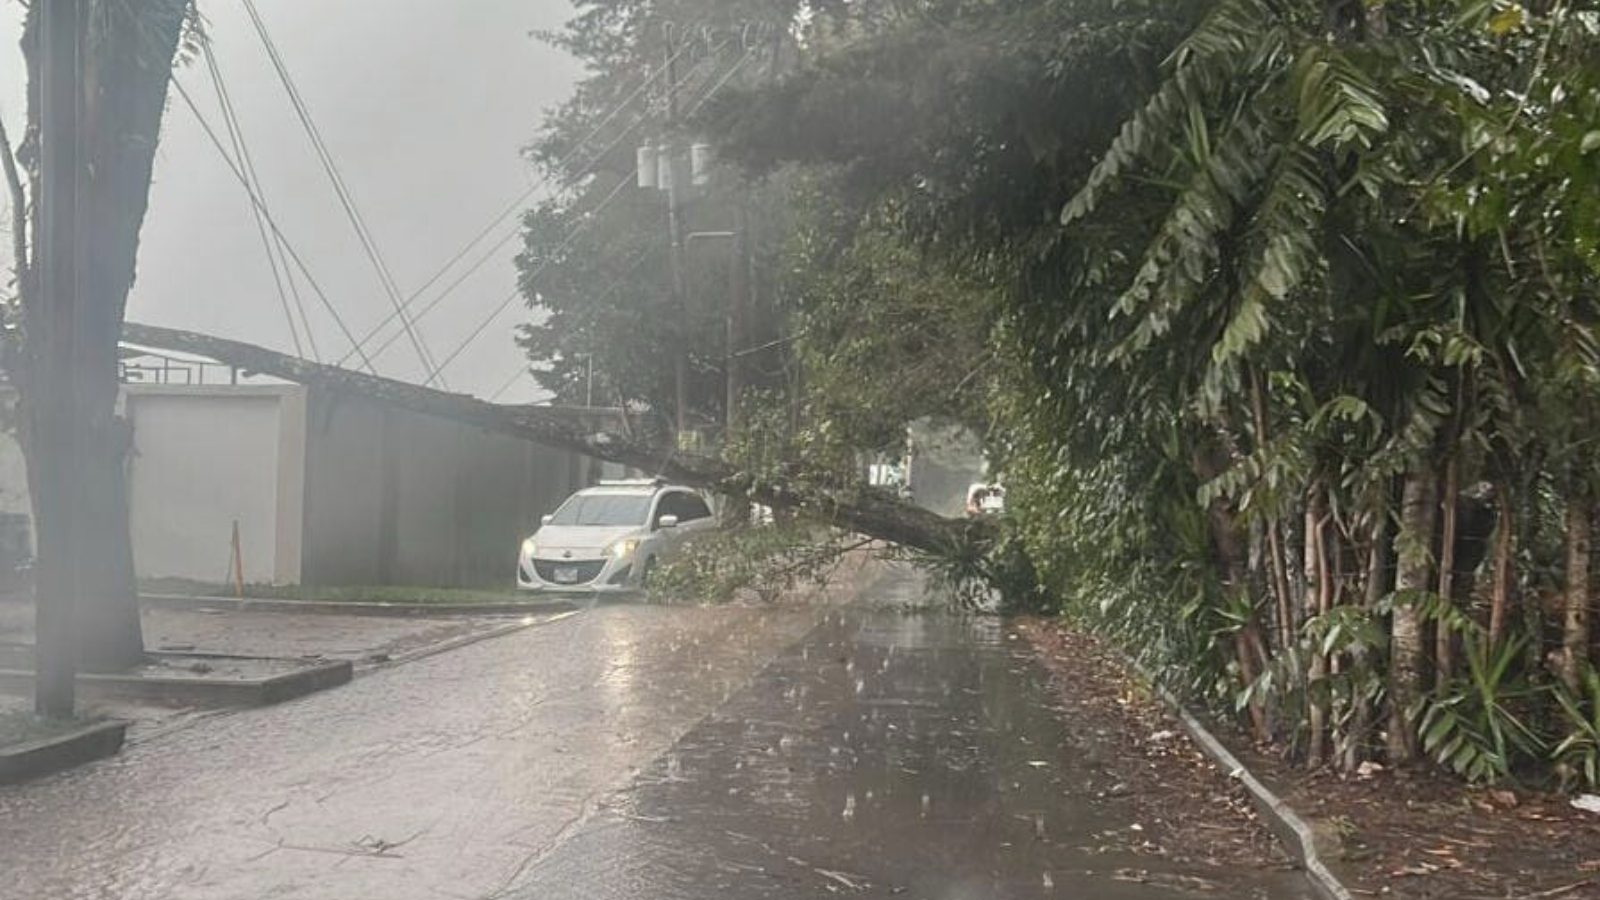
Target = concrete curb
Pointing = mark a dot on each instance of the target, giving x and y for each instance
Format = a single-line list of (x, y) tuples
[(1286, 825), (421, 653), (352, 608), (309, 678), (20, 762), (465, 640)]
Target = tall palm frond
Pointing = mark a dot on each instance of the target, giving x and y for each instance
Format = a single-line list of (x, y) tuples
[(1237, 37)]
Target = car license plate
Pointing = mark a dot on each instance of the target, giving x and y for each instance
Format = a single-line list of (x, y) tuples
[(566, 575)]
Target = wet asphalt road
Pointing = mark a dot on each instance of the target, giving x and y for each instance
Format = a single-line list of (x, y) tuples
[(627, 751)]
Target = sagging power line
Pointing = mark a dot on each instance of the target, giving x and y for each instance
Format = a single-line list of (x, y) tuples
[(516, 292), (516, 204), (341, 189), (484, 325), (616, 285), (272, 224), (242, 153)]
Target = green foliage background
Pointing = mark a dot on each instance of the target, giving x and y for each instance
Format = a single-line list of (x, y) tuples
[(1277, 317)]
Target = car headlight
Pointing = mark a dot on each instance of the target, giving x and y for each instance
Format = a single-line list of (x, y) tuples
[(529, 548), (624, 548)]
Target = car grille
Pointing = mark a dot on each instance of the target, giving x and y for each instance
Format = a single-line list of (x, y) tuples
[(586, 571)]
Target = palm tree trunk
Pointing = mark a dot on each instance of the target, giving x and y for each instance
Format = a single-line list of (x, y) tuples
[(1247, 640), (1277, 565), (1352, 753), (1233, 565), (1500, 579), (1575, 631), (1443, 637), (1413, 547), (1317, 601)]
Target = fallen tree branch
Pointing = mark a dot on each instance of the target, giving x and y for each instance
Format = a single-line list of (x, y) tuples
[(862, 510)]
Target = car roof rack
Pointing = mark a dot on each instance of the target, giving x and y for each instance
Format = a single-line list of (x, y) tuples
[(631, 482)]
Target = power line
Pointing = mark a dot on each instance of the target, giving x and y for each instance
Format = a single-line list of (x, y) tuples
[(236, 136), (271, 222), (521, 371), (299, 302), (616, 285), (509, 236), (517, 203), (484, 325), (533, 188), (516, 292), (340, 187), (728, 76)]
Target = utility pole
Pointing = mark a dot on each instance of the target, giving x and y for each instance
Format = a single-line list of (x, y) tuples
[(738, 299), (59, 261), (673, 174)]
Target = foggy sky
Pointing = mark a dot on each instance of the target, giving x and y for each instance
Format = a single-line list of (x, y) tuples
[(423, 105)]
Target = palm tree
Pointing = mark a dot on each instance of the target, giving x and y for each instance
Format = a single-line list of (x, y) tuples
[(1304, 225)]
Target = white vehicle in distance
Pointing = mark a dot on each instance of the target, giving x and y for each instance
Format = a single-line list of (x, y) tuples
[(611, 537), (986, 499)]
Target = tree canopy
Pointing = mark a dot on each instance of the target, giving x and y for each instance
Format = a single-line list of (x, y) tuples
[(1277, 317)]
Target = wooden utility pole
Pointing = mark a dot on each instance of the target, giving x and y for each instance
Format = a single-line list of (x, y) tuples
[(738, 301), (674, 177), (59, 259)]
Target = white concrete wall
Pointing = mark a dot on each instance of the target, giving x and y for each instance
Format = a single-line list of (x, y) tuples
[(203, 459), (325, 490)]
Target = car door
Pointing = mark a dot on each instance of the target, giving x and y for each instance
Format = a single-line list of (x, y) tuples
[(666, 539), (696, 515)]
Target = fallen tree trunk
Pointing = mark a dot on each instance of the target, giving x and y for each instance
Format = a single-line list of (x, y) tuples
[(862, 510)]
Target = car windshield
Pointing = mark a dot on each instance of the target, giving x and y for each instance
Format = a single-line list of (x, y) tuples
[(603, 509)]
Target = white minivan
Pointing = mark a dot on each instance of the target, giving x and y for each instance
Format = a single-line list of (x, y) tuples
[(611, 537)]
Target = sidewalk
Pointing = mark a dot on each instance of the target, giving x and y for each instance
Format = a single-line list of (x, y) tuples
[(1413, 835), (359, 639), (365, 641)]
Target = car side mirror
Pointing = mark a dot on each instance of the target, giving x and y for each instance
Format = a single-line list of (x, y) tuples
[(667, 522), (545, 520)]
